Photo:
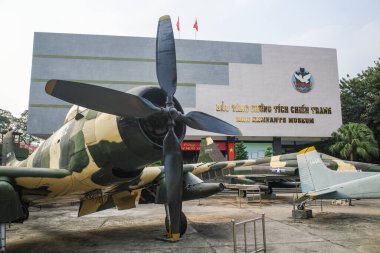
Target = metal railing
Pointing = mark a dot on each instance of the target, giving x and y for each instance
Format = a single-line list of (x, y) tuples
[(250, 194), (2, 237), (244, 223), (247, 192)]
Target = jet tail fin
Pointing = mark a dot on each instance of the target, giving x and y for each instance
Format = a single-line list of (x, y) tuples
[(8, 153), (209, 152), (313, 172), (317, 179)]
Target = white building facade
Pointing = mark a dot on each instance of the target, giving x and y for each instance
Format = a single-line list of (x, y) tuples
[(276, 95)]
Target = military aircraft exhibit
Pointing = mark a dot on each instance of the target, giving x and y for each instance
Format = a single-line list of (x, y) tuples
[(101, 158), (140, 138), (280, 171)]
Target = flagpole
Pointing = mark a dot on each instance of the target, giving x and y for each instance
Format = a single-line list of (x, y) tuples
[(178, 29), (195, 26)]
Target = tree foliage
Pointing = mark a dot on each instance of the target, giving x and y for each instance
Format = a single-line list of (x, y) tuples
[(6, 118), (268, 151), (241, 152), (8, 121), (360, 97), (353, 141)]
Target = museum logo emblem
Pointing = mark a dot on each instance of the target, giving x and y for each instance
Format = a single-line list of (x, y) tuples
[(302, 80)]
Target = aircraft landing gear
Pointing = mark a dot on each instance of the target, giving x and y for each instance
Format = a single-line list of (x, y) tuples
[(183, 224), (2, 237), (25, 213), (301, 206)]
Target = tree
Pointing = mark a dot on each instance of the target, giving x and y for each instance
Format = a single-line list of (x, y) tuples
[(241, 151), (360, 97), (268, 151), (21, 125), (354, 140), (6, 118)]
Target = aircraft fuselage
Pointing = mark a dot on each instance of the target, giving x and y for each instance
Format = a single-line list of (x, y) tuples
[(99, 150)]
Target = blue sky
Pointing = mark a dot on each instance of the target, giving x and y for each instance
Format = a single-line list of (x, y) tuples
[(352, 27)]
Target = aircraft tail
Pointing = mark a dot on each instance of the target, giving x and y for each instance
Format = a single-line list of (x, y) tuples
[(209, 152), (313, 172), (8, 153)]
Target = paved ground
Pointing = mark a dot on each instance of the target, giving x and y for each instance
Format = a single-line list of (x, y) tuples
[(338, 229)]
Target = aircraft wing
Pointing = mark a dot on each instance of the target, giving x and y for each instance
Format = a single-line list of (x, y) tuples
[(199, 168), (326, 193), (254, 176), (15, 172), (151, 174)]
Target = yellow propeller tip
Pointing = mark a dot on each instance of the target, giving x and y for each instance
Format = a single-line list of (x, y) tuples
[(175, 237), (50, 86), (164, 17)]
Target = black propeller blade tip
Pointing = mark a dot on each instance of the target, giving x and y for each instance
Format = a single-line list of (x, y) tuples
[(166, 64)]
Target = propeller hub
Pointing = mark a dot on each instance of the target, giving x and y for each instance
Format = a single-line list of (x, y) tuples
[(156, 126), (173, 113)]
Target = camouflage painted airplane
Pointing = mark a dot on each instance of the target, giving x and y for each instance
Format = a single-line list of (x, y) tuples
[(276, 171), (100, 156), (319, 182), (283, 172)]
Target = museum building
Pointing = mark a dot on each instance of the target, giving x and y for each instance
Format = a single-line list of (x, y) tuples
[(278, 96)]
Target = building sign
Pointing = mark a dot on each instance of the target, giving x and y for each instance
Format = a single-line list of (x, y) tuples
[(297, 114), (302, 81), (196, 146)]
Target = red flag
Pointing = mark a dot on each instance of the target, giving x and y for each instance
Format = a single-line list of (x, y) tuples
[(195, 26), (178, 27)]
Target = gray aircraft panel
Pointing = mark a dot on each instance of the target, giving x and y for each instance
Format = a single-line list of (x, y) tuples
[(320, 182)]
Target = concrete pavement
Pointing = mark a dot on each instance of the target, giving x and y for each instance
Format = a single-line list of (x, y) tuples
[(338, 229)]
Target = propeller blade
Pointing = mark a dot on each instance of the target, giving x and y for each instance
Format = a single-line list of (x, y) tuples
[(101, 99), (206, 122), (166, 65), (173, 177)]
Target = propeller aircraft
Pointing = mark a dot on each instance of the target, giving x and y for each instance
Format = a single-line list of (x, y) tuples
[(101, 155), (319, 182)]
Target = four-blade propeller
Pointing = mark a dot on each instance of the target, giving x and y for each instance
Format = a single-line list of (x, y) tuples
[(125, 104)]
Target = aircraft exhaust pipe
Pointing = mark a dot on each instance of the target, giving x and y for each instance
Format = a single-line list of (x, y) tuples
[(201, 190)]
